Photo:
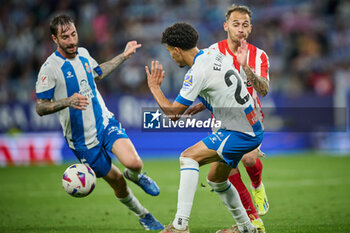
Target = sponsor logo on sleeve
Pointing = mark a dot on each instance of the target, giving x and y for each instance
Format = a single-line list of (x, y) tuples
[(44, 81), (188, 83)]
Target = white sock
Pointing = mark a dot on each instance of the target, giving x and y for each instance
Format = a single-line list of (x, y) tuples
[(134, 205), (134, 175), (189, 173), (247, 227), (232, 201)]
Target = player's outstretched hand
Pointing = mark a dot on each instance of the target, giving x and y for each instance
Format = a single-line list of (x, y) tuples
[(242, 53), (195, 109), (156, 76), (130, 48), (78, 101)]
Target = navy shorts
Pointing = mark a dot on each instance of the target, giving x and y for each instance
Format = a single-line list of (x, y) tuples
[(232, 145), (97, 157)]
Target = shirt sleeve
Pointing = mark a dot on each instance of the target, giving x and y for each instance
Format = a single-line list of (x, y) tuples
[(95, 67), (191, 87), (265, 66), (46, 82)]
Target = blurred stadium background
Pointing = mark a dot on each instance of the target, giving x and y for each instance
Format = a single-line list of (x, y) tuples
[(308, 44), (307, 112)]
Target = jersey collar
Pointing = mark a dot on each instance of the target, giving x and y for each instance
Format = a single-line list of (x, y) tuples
[(60, 55), (199, 53)]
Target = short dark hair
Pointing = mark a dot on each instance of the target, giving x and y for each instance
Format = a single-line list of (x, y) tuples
[(60, 20), (240, 9), (182, 35)]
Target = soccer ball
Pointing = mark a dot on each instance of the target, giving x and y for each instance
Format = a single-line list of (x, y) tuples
[(79, 180)]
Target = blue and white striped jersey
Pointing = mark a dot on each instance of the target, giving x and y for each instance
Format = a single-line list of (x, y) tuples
[(60, 78)]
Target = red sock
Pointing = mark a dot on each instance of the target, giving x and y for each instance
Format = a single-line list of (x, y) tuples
[(244, 194), (254, 173)]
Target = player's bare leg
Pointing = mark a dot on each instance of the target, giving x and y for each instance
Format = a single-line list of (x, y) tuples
[(127, 155), (116, 180), (254, 168), (218, 172)]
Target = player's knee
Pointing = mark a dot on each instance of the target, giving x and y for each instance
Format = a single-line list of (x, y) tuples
[(234, 171), (134, 164), (188, 153), (249, 160), (188, 163), (185, 154)]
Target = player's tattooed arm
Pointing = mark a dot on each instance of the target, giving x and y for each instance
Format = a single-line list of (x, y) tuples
[(46, 106), (260, 84), (109, 66)]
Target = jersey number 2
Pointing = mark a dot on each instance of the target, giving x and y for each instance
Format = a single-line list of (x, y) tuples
[(228, 82)]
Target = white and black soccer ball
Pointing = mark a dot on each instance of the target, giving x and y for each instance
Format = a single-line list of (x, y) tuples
[(79, 180)]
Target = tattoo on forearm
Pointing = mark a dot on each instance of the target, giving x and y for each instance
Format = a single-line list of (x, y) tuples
[(260, 84), (45, 107), (111, 65)]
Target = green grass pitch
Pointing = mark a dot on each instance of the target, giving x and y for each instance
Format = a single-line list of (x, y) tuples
[(307, 193)]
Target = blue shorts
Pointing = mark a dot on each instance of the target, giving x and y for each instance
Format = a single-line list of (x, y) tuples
[(98, 157), (232, 145)]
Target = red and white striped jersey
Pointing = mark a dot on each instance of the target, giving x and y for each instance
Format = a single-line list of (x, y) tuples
[(257, 60)]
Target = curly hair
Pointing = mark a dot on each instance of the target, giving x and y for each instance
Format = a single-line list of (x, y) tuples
[(181, 35)]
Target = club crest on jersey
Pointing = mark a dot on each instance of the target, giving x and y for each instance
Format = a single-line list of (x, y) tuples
[(87, 67), (188, 81)]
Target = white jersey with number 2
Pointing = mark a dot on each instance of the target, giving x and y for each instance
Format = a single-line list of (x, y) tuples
[(219, 86)]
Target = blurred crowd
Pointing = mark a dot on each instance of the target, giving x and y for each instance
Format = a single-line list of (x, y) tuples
[(308, 42)]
